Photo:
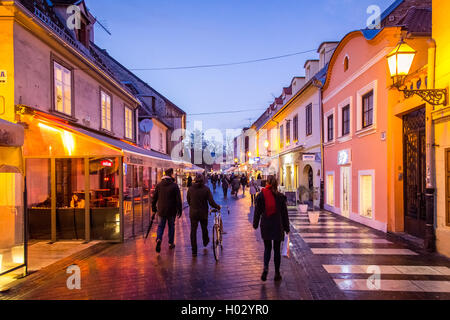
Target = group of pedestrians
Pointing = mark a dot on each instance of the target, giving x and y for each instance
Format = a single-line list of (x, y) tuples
[(270, 214)]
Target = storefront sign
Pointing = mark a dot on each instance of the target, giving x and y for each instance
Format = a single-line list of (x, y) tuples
[(309, 157), (11, 135), (344, 157), (107, 163), (134, 160), (3, 76)]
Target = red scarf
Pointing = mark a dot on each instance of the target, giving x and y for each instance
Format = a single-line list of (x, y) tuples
[(269, 200)]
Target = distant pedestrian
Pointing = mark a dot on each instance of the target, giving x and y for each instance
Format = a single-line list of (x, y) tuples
[(271, 215), (189, 181), (244, 182), (167, 203), (198, 198), (225, 187), (253, 185), (235, 185)]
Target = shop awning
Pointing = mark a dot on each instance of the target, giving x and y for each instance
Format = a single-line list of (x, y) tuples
[(84, 141)]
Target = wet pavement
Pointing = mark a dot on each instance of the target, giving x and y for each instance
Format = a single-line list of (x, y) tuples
[(331, 260)]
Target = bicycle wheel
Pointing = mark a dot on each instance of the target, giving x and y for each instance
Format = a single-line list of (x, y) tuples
[(216, 242)]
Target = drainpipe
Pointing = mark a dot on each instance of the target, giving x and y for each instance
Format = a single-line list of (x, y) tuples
[(430, 238), (319, 85)]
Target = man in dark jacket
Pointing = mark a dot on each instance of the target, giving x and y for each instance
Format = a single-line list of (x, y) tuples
[(198, 198), (244, 182), (167, 203)]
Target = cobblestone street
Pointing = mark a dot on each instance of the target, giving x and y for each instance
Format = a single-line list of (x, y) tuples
[(328, 261)]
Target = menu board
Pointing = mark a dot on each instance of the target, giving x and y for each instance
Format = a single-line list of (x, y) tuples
[(291, 198)]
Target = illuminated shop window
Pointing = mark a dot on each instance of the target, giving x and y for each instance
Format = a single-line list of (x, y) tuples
[(330, 189), (366, 195)]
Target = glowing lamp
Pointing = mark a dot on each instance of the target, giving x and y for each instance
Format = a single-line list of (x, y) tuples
[(249, 154), (400, 61), (266, 144)]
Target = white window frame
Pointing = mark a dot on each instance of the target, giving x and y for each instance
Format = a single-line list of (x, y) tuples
[(346, 102), (372, 174), (105, 121), (129, 134), (67, 110), (373, 86), (325, 125), (331, 173)]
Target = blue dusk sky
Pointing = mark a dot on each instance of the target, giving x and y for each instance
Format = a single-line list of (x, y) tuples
[(172, 33)]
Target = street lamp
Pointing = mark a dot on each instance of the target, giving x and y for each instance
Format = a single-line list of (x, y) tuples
[(249, 154), (400, 61)]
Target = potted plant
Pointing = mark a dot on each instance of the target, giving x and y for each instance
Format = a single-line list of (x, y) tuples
[(313, 216), (302, 191)]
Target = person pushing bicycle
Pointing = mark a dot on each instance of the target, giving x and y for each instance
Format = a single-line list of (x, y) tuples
[(199, 198)]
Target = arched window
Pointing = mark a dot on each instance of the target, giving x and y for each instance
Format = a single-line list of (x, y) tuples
[(346, 64)]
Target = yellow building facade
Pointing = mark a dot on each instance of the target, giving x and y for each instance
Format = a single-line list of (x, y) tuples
[(441, 121)]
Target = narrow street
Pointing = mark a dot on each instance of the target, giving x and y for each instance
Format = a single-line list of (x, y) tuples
[(328, 261)]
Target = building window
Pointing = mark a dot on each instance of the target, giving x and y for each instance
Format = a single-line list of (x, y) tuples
[(330, 128), (161, 142), (106, 111), (128, 123), (366, 108), (309, 120), (247, 148), (367, 112), (346, 120), (295, 128), (366, 193), (63, 89), (330, 189), (281, 137), (288, 132), (346, 61)]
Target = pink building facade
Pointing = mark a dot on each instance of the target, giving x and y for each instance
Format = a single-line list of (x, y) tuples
[(355, 101)]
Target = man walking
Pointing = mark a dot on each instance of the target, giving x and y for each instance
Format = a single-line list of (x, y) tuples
[(198, 198), (244, 183), (167, 203)]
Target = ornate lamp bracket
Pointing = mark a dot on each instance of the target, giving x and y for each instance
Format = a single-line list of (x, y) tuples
[(434, 97)]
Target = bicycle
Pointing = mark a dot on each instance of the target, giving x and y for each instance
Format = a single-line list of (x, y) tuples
[(217, 232)]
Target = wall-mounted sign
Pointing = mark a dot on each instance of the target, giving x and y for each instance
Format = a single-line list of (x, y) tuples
[(107, 163), (309, 157), (146, 125), (257, 159), (344, 157), (3, 76)]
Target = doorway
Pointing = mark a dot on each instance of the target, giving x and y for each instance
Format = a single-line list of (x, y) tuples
[(345, 191), (414, 157)]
